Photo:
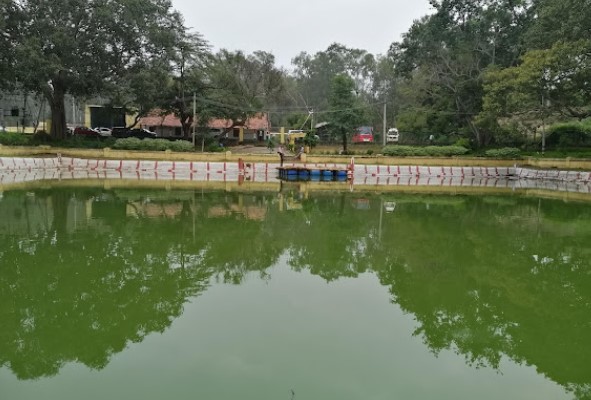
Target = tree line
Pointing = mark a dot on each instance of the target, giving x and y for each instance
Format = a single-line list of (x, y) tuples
[(483, 72)]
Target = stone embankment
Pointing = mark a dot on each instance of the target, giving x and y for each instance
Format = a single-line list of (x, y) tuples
[(42, 168)]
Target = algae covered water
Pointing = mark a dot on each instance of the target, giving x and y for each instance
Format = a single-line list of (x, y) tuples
[(147, 294)]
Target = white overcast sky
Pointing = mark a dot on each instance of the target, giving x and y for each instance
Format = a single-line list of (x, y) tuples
[(285, 28)]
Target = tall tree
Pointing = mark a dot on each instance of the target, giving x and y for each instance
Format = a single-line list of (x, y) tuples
[(552, 82), (345, 113), (9, 21), (189, 60), (565, 20), (450, 50), (81, 46), (242, 85), (314, 73)]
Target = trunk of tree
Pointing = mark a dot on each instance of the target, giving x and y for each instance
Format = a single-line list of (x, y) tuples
[(344, 134), (186, 123), (56, 98)]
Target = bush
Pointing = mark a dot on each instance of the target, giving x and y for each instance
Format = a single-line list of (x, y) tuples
[(41, 137), (214, 148), (128, 144), (506, 152), (181, 146), (463, 142), (152, 145), (155, 144), (14, 139), (570, 134), (433, 151), (84, 142)]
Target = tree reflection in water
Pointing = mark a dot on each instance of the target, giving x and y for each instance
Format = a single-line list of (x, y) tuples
[(85, 273)]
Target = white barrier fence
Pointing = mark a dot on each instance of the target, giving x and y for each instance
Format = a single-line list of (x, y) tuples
[(14, 170)]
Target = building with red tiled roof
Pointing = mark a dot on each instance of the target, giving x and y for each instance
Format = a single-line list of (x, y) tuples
[(256, 127)]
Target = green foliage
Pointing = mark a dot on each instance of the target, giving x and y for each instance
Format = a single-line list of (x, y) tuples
[(152, 145), (128, 144), (41, 137), (181, 146), (271, 143), (310, 140), (432, 151), (463, 142), (314, 74), (243, 84), (570, 134), (14, 139), (346, 113), (506, 152), (549, 81), (82, 48)]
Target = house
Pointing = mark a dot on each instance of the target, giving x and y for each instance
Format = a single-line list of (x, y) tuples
[(256, 128)]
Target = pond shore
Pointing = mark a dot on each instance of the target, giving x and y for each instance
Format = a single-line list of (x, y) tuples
[(254, 154), (237, 172)]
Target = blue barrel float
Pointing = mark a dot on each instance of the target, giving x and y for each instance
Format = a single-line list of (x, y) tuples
[(341, 175), (304, 173)]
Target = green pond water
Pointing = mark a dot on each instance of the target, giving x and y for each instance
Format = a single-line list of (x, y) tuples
[(130, 294)]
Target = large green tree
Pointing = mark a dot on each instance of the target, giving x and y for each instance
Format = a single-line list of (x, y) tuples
[(314, 73), (8, 33), (444, 57), (241, 85), (189, 60), (346, 113), (80, 47)]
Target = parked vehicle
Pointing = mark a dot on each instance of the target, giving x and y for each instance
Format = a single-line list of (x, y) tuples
[(393, 135), (104, 132), (141, 133), (83, 131), (119, 132), (364, 134)]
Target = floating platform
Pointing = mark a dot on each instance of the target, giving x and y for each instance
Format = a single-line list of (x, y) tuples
[(313, 173)]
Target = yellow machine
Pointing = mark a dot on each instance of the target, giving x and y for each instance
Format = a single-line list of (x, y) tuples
[(295, 134)]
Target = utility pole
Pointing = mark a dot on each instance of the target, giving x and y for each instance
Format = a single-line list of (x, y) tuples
[(385, 128), (194, 114), (543, 123)]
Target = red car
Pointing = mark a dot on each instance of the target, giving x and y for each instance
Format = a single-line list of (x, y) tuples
[(363, 134), (86, 132)]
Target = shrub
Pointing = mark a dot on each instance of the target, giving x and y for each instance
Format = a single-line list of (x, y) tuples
[(570, 134), (445, 151), (433, 151), (463, 142), (128, 144), (40, 137), (214, 148), (84, 142), (152, 145), (14, 139), (505, 152), (155, 144), (181, 146)]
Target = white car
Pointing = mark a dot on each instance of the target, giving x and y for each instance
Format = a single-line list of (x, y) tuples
[(106, 132), (393, 135)]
